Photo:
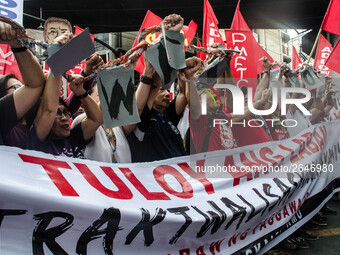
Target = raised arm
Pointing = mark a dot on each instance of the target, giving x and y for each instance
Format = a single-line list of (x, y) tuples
[(93, 113), (265, 96), (228, 79), (193, 65), (31, 72), (146, 92), (317, 108), (327, 99), (293, 107), (93, 63), (48, 107), (177, 22), (264, 83), (181, 100)]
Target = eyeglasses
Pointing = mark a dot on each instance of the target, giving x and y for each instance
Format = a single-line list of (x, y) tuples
[(65, 112), (14, 86)]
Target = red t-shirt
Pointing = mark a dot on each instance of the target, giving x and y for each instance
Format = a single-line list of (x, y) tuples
[(278, 132), (247, 135), (221, 136)]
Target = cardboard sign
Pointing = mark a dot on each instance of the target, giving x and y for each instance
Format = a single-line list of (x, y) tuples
[(174, 45), (310, 80), (167, 56), (79, 48), (117, 97), (59, 205), (294, 80), (274, 75), (213, 71), (158, 59)]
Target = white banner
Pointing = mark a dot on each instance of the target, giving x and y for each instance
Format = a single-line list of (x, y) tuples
[(58, 205), (12, 9)]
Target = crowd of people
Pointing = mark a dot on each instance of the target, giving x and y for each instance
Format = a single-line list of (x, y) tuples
[(37, 118)]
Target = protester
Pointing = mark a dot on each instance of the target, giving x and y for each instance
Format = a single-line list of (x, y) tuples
[(156, 137), (274, 121), (108, 144), (206, 135), (53, 28), (304, 121), (50, 132), (16, 102)]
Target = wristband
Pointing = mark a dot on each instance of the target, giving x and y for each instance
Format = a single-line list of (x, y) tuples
[(83, 95), (16, 50), (265, 72), (148, 81)]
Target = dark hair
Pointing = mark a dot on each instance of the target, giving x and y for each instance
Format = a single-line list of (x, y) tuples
[(61, 101), (3, 83), (55, 19)]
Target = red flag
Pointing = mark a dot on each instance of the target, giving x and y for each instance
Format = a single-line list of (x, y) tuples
[(240, 24), (77, 30), (244, 65), (238, 21), (260, 54), (8, 64), (331, 21), (296, 60), (152, 19), (323, 51), (189, 33), (199, 54), (211, 33), (333, 61)]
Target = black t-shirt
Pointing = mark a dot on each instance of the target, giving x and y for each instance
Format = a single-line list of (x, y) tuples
[(156, 137), (8, 116)]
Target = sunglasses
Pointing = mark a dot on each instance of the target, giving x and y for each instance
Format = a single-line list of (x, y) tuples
[(14, 86)]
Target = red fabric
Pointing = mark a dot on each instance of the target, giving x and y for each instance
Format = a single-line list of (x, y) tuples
[(296, 60), (333, 61), (77, 30), (189, 33), (8, 64), (211, 33), (244, 65), (279, 134), (331, 21), (238, 21), (249, 135), (199, 54), (221, 136), (323, 51), (258, 52), (152, 19)]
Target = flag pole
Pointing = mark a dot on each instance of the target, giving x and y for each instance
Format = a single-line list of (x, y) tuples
[(317, 37), (315, 43)]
